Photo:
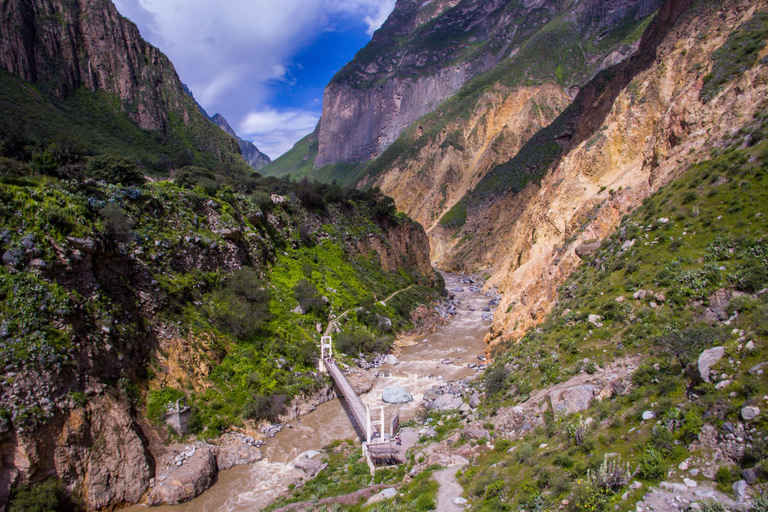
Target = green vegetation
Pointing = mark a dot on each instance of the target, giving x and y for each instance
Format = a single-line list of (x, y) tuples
[(45, 497), (714, 213), (52, 134), (739, 54), (212, 256)]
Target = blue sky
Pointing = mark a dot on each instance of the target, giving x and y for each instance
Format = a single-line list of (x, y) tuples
[(262, 64)]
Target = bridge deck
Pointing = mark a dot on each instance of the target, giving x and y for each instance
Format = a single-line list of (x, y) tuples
[(354, 402)]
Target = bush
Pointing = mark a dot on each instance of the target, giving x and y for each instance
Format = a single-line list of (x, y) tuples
[(425, 502), (46, 497), (116, 220), (192, 177), (240, 306), (115, 170), (267, 408), (308, 297), (496, 379)]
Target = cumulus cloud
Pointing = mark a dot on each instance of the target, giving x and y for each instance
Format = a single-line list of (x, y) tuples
[(274, 132), (231, 53)]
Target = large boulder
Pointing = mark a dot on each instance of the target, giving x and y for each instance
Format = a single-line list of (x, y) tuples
[(187, 481), (445, 403), (396, 395), (588, 248), (234, 451), (707, 359), (573, 399), (391, 359), (749, 413)]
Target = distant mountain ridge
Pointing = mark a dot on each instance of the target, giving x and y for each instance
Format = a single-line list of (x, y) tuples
[(250, 152), (66, 46)]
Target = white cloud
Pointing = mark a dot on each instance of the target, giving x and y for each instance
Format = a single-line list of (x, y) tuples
[(270, 120), (232, 52)]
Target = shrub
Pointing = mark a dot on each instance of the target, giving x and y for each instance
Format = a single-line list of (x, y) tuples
[(496, 379), (308, 297), (753, 276), (268, 407), (116, 220), (192, 177), (524, 453), (240, 305), (45, 497), (652, 465), (425, 502), (115, 170)]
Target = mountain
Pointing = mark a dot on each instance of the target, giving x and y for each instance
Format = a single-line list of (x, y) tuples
[(84, 51), (250, 152), (515, 166), (143, 262)]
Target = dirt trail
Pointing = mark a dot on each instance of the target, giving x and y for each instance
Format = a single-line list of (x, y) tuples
[(333, 322), (449, 488)]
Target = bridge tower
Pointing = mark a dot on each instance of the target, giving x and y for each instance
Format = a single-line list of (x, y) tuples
[(326, 350)]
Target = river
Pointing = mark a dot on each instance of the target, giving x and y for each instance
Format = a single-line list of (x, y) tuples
[(250, 488)]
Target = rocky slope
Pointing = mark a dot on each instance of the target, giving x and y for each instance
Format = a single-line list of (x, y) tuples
[(650, 125), (87, 44), (101, 328), (426, 52), (250, 152)]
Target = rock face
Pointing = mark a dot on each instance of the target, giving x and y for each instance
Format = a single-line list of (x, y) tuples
[(250, 152), (87, 43), (624, 144), (424, 53), (99, 445), (188, 480)]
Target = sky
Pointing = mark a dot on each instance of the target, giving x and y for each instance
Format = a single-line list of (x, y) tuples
[(262, 64)]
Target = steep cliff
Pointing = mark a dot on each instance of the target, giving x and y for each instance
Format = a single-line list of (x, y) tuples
[(631, 130), (65, 46), (248, 150), (426, 52)]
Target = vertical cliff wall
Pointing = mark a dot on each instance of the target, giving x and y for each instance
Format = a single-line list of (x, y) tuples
[(66, 45), (426, 52)]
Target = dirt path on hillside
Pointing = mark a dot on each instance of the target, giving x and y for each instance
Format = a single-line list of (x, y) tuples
[(333, 322), (449, 488)]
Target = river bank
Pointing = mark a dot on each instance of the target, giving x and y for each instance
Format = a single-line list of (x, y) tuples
[(423, 363)]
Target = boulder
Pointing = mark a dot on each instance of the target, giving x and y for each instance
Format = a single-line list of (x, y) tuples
[(444, 403), (432, 394), (627, 245), (588, 248), (474, 400), (187, 481), (639, 294), (459, 501), (689, 483), (310, 466), (573, 399), (595, 320), (233, 451), (757, 368), (475, 433), (749, 413), (396, 395), (361, 382), (707, 359), (660, 297), (750, 475), (740, 491), (391, 359), (648, 415)]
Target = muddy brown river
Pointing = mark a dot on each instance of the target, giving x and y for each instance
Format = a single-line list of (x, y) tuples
[(250, 488)]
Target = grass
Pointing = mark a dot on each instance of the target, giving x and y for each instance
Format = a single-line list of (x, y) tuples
[(739, 54), (722, 231), (171, 244)]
